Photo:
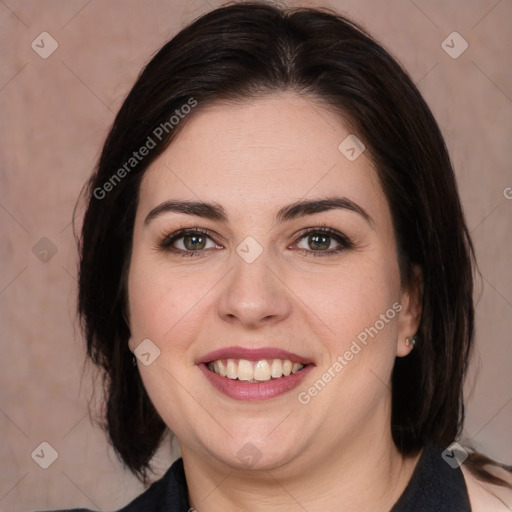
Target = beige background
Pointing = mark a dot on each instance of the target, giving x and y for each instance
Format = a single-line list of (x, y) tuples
[(55, 113)]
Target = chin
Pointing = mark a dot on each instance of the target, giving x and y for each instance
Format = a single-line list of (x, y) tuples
[(256, 453)]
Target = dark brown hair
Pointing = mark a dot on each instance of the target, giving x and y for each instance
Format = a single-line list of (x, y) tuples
[(243, 51)]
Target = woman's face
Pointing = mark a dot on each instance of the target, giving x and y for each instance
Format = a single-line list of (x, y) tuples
[(263, 290)]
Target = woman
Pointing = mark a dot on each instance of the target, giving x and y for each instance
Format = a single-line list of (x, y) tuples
[(275, 266)]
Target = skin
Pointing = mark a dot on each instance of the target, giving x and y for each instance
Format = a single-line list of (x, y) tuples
[(254, 159), (484, 496)]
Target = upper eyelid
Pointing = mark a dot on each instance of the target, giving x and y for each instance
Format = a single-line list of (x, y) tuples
[(180, 233)]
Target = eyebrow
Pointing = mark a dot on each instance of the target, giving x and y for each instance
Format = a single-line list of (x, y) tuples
[(216, 212)]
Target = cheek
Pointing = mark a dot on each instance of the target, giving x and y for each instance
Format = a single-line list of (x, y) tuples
[(362, 316), (165, 308), (359, 305), (160, 300), (149, 303), (351, 296)]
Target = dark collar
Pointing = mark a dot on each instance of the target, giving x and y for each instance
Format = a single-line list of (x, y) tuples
[(434, 486), (169, 494)]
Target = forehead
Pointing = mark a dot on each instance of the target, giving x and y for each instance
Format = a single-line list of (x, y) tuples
[(266, 151)]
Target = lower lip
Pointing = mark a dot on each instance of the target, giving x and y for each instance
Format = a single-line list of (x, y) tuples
[(247, 391)]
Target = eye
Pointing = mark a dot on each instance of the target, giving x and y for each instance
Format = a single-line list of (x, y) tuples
[(321, 241), (196, 241), (188, 242)]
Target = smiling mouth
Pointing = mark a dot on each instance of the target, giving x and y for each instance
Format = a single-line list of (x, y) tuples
[(254, 371)]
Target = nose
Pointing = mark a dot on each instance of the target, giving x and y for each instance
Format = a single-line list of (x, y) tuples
[(254, 294)]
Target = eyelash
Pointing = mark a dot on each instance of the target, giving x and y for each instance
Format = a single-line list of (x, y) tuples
[(345, 243)]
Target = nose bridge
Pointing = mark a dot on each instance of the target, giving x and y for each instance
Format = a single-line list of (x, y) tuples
[(253, 293)]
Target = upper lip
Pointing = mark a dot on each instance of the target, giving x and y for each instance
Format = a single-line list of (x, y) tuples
[(252, 354)]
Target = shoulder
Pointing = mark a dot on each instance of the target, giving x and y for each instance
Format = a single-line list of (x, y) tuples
[(486, 497)]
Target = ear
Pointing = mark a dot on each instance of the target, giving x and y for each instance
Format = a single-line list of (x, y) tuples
[(125, 311), (410, 315)]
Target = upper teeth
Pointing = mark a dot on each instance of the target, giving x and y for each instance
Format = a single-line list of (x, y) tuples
[(261, 370)]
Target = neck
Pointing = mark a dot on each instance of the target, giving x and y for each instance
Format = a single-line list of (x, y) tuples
[(362, 473)]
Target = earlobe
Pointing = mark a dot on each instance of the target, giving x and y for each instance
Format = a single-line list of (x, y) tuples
[(410, 341), (405, 345)]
